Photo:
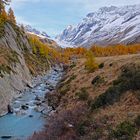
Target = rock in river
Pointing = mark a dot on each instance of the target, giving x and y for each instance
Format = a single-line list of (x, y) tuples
[(6, 137), (24, 107), (30, 116), (10, 110)]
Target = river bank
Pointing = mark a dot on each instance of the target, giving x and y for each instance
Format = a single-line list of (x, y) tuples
[(30, 109)]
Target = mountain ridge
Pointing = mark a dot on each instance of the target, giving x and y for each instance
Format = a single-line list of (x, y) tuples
[(35, 31), (107, 26)]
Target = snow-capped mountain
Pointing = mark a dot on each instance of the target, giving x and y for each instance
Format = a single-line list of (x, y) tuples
[(43, 37), (31, 30), (108, 25)]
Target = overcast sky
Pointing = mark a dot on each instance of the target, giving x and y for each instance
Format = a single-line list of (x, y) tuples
[(53, 16)]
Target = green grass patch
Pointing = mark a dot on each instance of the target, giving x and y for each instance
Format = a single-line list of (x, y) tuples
[(64, 90), (137, 121), (2, 28), (13, 57), (5, 69), (83, 94), (101, 65), (128, 80), (98, 80), (81, 129), (73, 65), (124, 131)]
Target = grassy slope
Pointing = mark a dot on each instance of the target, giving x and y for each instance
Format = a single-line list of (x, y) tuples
[(36, 64), (74, 119), (8, 58)]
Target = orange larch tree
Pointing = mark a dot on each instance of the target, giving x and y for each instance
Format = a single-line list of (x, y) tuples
[(11, 16)]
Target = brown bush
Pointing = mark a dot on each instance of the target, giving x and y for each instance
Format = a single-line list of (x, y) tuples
[(62, 126)]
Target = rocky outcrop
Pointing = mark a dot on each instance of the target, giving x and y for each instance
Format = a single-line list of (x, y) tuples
[(18, 77)]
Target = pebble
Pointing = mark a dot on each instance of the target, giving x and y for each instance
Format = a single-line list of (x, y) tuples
[(31, 116)]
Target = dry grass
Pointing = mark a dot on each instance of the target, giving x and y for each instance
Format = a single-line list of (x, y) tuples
[(109, 74), (127, 108), (8, 60), (99, 122)]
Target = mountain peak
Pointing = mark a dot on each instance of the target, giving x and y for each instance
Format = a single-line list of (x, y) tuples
[(108, 25), (32, 30), (108, 9), (69, 27)]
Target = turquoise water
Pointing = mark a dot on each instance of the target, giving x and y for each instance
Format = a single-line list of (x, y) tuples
[(20, 125)]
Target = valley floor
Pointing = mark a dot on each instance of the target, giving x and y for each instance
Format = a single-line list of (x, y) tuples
[(101, 105)]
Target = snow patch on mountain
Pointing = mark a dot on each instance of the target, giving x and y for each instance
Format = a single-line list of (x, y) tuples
[(64, 44), (109, 25), (34, 31)]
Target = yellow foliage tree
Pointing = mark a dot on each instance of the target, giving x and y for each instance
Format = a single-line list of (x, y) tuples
[(4, 15), (115, 50), (90, 63), (11, 16)]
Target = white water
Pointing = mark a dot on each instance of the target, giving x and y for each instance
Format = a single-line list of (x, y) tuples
[(21, 125)]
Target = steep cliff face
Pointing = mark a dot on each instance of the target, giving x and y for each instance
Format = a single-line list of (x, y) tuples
[(14, 73)]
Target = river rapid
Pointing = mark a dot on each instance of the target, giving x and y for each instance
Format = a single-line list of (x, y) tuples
[(30, 109)]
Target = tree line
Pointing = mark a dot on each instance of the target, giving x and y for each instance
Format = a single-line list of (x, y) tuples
[(44, 49), (115, 50)]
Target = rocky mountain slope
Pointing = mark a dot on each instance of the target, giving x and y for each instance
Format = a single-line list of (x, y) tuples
[(14, 73), (18, 63), (108, 25), (43, 36), (32, 30)]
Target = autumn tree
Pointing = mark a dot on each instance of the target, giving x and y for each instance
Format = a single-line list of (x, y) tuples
[(2, 4), (90, 63), (115, 50), (4, 15), (11, 16)]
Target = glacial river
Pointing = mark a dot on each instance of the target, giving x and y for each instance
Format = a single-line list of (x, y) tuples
[(30, 109)]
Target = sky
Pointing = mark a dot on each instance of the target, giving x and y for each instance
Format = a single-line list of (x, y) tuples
[(53, 16)]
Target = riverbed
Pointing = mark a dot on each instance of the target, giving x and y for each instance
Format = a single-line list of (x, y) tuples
[(30, 109)]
